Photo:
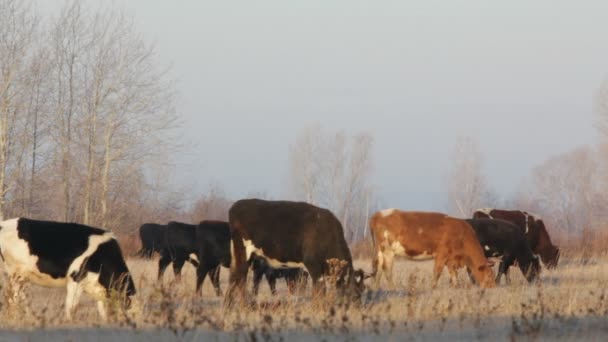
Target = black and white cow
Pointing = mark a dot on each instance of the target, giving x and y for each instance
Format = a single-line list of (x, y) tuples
[(55, 254), (500, 238), (289, 234)]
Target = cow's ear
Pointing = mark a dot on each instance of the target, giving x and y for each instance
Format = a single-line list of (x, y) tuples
[(482, 268)]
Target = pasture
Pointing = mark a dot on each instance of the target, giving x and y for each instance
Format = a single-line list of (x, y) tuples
[(568, 303)]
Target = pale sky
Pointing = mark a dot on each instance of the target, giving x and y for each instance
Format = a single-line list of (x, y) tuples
[(517, 76)]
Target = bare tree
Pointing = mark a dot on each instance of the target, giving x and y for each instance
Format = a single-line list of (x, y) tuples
[(333, 170), (18, 32), (569, 190), (467, 187)]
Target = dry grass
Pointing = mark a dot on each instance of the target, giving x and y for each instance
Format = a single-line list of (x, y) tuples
[(567, 303)]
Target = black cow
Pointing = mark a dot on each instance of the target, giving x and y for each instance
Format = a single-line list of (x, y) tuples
[(55, 254), (289, 234), (178, 246), (501, 238), (212, 240), (296, 278), (152, 236), (534, 228)]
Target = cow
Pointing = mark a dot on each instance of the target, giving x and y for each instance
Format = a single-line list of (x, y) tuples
[(534, 228), (55, 254), (152, 236), (296, 278), (289, 234), (178, 246), (424, 236), (500, 238), (212, 243)]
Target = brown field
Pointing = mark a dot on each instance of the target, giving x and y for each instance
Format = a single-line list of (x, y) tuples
[(568, 304)]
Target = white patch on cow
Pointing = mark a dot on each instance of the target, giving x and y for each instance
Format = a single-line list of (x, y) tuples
[(421, 257), (250, 248), (385, 234), (486, 247), (19, 261), (94, 242), (397, 248), (527, 220), (486, 211), (387, 212), (194, 257)]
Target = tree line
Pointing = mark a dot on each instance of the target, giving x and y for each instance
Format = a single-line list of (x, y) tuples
[(85, 111)]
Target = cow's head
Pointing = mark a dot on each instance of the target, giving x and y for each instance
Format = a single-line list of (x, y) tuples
[(484, 275), (549, 253), (550, 256), (532, 269), (349, 282), (114, 276), (355, 285)]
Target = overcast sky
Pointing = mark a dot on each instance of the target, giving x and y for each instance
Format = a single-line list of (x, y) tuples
[(518, 76)]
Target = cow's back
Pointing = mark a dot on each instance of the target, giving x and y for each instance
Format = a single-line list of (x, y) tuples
[(180, 236), (291, 230), (213, 239)]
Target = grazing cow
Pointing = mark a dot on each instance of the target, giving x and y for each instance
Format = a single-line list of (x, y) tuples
[(212, 240), (424, 236), (501, 238), (178, 246), (296, 278), (534, 228), (58, 254), (152, 236), (289, 234)]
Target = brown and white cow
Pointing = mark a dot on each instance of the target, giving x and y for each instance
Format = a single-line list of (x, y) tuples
[(534, 228), (424, 236)]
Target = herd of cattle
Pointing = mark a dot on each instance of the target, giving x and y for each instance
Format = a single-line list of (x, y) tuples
[(275, 239)]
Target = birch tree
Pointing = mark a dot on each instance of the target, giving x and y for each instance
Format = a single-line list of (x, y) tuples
[(333, 170), (467, 187), (17, 34)]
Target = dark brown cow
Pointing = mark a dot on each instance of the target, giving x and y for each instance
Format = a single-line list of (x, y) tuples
[(534, 228), (424, 236), (289, 234)]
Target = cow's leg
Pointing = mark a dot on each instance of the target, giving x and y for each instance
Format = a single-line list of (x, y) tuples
[(318, 280), (291, 279), (440, 261), (389, 259), (453, 275), (215, 279), (379, 267), (258, 274), (163, 263), (178, 264), (74, 291), (201, 274), (272, 282), (302, 281), (101, 309), (503, 268), (238, 272)]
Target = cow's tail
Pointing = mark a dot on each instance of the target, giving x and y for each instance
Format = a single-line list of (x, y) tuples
[(144, 253)]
